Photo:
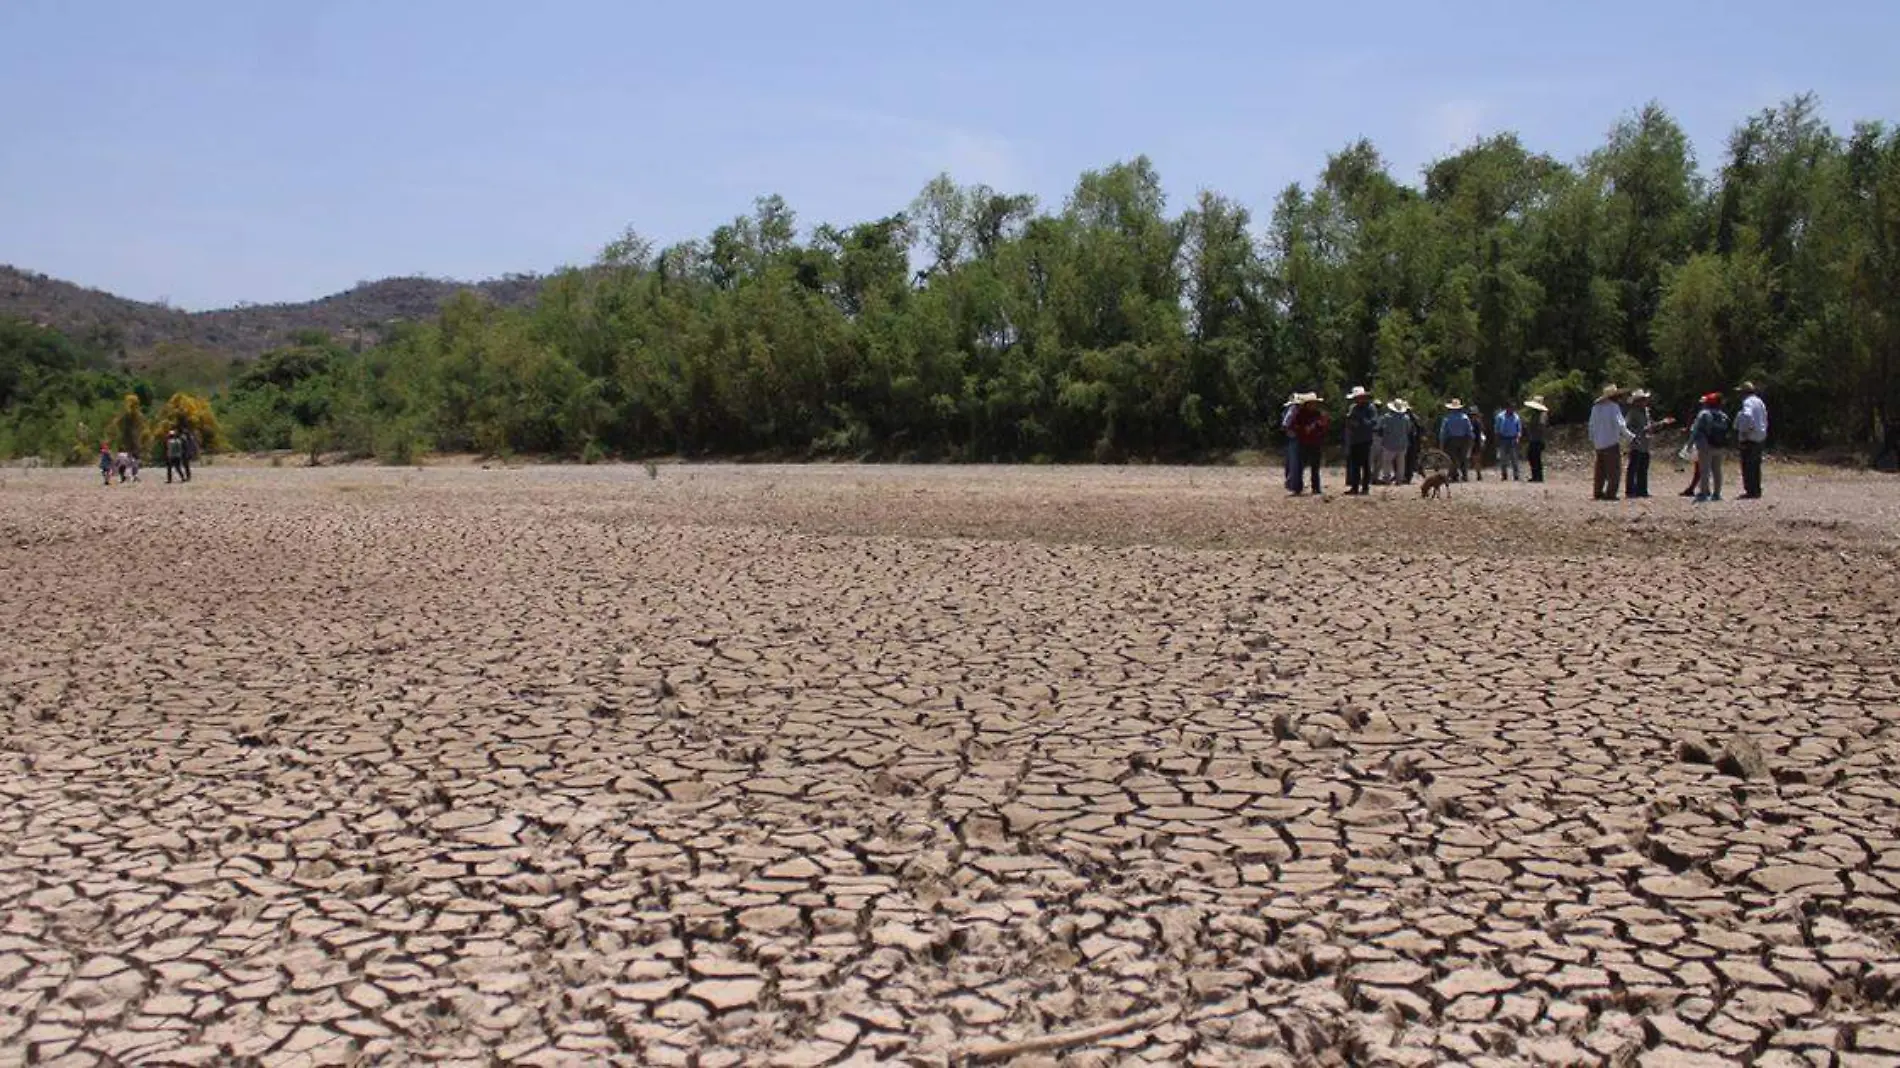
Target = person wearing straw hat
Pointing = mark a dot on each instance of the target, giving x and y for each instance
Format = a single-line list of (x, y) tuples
[(1291, 409), (1641, 424), (1414, 444), (1310, 425), (1362, 425), (1751, 432), (1454, 436), (1608, 431), (1537, 413), (1395, 439)]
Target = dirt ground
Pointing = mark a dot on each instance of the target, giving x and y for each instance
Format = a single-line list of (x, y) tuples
[(801, 766)]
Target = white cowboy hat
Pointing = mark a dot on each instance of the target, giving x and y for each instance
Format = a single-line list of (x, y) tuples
[(1637, 396), (1536, 404), (1454, 405), (1611, 392), (1398, 404), (1357, 392)]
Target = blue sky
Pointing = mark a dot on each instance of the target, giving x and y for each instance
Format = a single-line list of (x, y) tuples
[(213, 151)]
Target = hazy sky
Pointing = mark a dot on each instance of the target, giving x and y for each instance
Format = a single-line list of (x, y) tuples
[(212, 151)]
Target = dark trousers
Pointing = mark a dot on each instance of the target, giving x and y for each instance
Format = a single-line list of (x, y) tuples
[(187, 465), (1292, 466), (1536, 456), (1751, 468), (1309, 461), (1609, 472), (1636, 479), (1459, 449), (1411, 460), (175, 467), (1359, 468)]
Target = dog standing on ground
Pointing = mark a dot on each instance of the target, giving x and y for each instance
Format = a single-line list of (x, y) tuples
[(1434, 486)]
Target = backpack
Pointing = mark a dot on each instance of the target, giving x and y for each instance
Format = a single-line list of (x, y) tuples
[(1717, 433)]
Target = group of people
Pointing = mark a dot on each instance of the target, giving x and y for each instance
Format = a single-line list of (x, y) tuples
[(1383, 441), (1622, 418), (181, 448)]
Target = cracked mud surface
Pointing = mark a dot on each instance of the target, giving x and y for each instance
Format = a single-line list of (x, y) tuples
[(849, 766)]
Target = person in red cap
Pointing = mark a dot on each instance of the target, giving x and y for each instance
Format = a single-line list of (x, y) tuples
[(1709, 434)]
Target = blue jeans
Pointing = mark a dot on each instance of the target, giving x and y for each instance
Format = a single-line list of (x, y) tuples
[(1507, 459)]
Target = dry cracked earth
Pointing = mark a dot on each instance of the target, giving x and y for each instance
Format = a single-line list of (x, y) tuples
[(937, 766)]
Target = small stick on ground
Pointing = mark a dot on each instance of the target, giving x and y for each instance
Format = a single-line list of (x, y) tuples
[(986, 1052)]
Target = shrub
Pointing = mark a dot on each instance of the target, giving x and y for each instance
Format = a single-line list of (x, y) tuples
[(311, 441), (397, 444), (127, 431), (186, 411)]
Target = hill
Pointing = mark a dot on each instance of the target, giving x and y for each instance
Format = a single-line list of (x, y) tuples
[(135, 329)]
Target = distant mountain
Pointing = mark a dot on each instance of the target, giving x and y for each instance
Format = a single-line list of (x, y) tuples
[(134, 329)]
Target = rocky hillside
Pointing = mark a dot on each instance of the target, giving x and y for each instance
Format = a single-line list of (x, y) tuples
[(134, 329)]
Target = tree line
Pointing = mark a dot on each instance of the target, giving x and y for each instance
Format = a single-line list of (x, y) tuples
[(980, 325)]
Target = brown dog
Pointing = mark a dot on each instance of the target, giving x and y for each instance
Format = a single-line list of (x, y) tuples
[(1434, 486)]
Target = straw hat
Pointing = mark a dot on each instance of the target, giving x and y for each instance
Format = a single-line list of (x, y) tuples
[(1536, 404), (1746, 387), (1454, 405), (1611, 392), (1310, 398), (1639, 396), (1398, 404), (1357, 393)]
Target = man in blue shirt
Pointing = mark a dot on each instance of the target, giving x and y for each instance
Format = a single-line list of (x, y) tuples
[(1455, 433), (1508, 428)]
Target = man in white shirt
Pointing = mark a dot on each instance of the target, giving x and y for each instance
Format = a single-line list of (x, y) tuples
[(1607, 433), (1751, 430)]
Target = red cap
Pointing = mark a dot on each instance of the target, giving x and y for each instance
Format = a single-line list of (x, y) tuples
[(1711, 398)]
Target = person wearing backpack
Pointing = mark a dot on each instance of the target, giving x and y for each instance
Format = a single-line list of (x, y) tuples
[(174, 457), (1710, 433)]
